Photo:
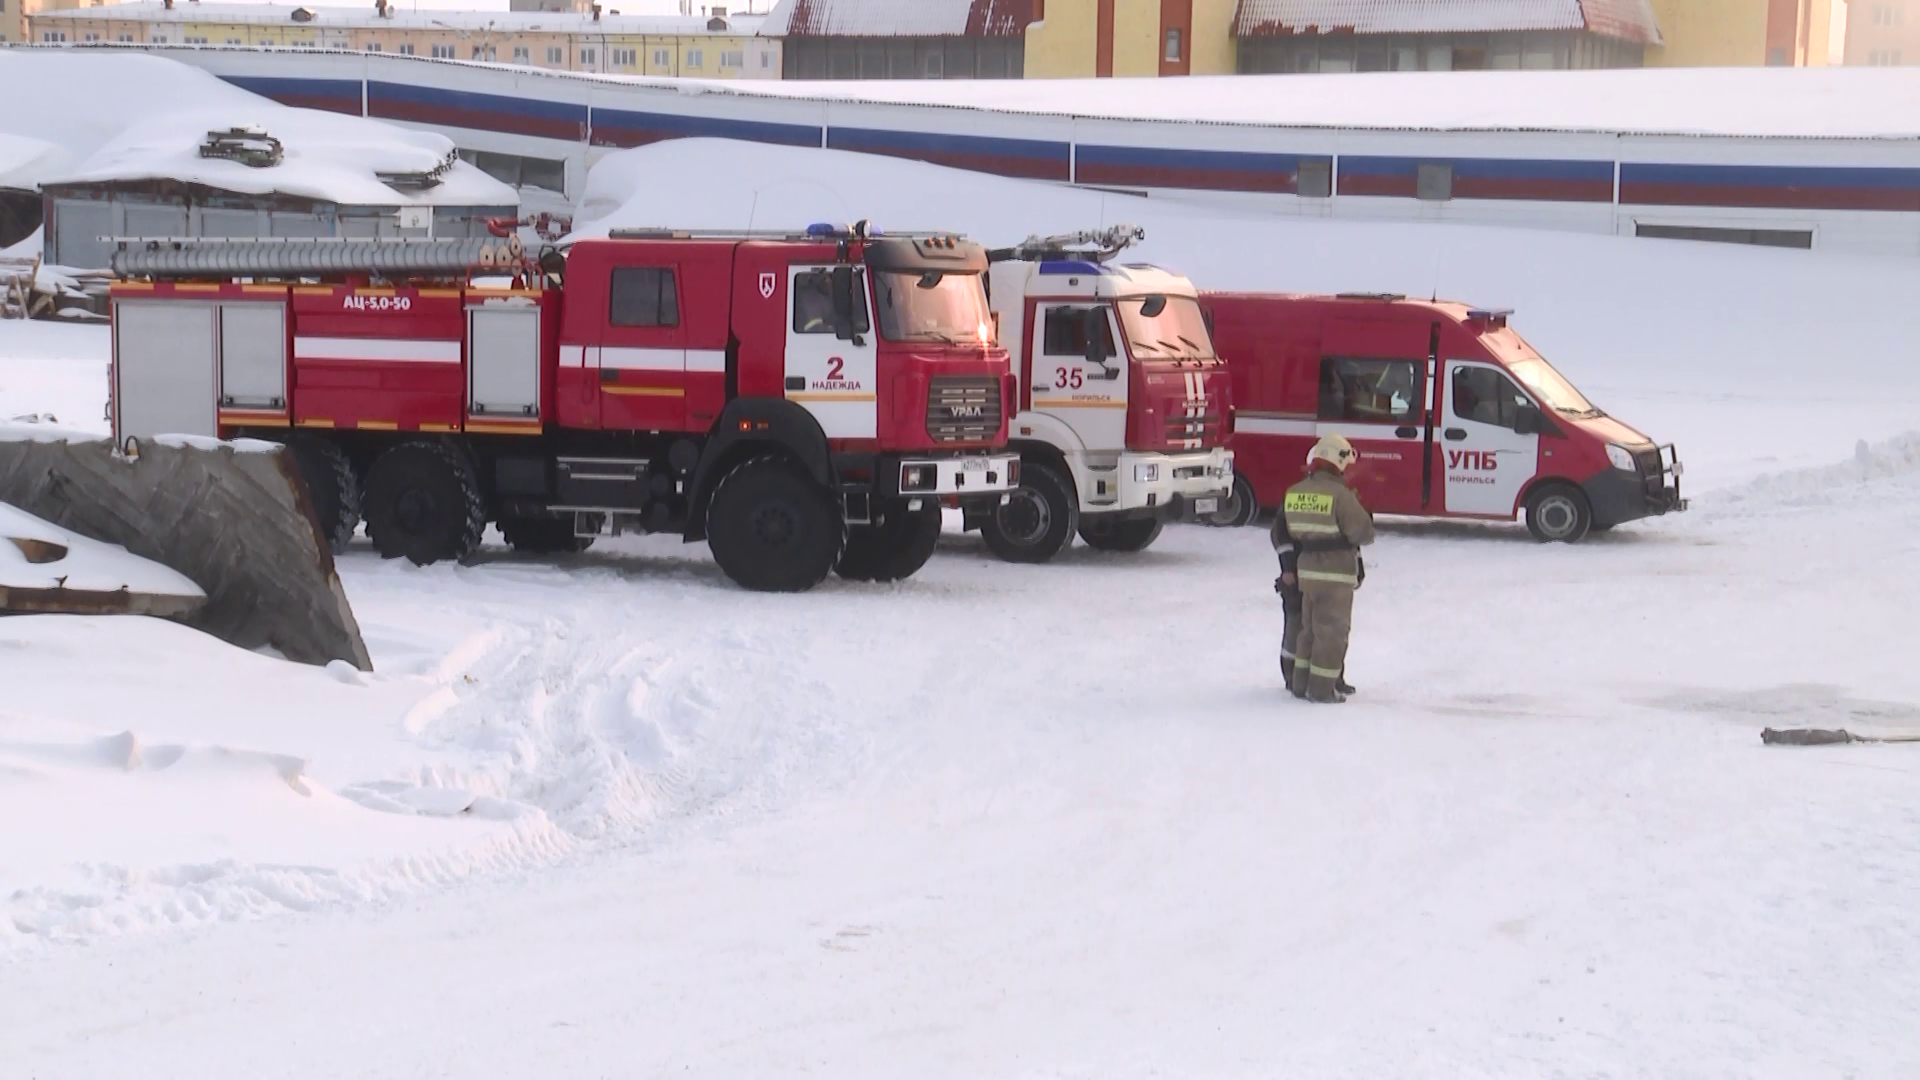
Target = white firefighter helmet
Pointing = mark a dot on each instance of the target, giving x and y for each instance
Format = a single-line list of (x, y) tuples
[(1335, 451)]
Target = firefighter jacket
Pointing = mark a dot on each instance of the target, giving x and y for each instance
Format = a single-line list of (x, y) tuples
[(1322, 519)]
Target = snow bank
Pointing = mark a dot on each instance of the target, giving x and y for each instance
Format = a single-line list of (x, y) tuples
[(83, 564), (125, 116)]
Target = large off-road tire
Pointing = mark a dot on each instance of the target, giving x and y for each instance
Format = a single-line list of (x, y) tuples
[(1105, 534), (1558, 514), (773, 528), (423, 503), (894, 547), (1239, 508), (1038, 518), (332, 487), (543, 535)]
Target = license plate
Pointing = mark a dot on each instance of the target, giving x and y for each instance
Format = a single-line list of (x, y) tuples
[(976, 465), (1206, 506)]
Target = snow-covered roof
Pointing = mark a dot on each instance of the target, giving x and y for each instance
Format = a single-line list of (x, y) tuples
[(366, 18), (130, 117), (898, 18), (1628, 20)]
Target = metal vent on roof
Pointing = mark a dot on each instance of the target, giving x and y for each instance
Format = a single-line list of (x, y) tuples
[(250, 146), (302, 14), (419, 181)]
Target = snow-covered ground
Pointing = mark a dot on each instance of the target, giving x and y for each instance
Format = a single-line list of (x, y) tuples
[(611, 816)]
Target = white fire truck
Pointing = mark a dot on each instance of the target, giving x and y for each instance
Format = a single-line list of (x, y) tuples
[(1123, 409), (804, 403)]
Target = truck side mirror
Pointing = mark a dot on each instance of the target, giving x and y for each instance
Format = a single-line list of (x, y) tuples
[(1526, 420), (843, 303), (1096, 334)]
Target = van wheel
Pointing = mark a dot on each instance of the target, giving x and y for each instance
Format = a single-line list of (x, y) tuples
[(423, 503), (893, 548), (1104, 534), (772, 528), (1238, 508), (1038, 518), (1558, 514), (331, 486), (543, 535)]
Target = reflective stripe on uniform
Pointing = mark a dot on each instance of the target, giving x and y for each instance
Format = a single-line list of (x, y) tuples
[(1323, 673), (1312, 528), (1329, 578)]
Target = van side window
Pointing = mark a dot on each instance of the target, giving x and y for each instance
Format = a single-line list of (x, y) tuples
[(1485, 396), (644, 296), (1371, 391), (1064, 333), (813, 302)]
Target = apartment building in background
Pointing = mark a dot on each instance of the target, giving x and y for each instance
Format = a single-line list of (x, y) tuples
[(1883, 33), (15, 15), (717, 45), (1744, 33)]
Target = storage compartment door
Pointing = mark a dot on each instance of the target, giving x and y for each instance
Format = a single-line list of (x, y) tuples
[(503, 363), (165, 368), (253, 357)]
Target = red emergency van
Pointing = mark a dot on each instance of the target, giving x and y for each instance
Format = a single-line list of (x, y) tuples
[(1453, 413)]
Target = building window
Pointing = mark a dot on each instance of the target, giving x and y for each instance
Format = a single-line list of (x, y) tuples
[(407, 49), (443, 52), (192, 40), (96, 37), (766, 60), (127, 38), (1173, 46), (53, 35), (587, 57), (374, 46), (1777, 56), (696, 58), (159, 39), (522, 55), (663, 58), (556, 55), (1435, 182), (483, 52), (624, 58), (735, 59), (235, 41)]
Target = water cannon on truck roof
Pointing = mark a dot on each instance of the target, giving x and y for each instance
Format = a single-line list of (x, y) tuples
[(804, 402), (1122, 409)]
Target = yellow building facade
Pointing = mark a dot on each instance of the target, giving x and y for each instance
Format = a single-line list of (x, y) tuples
[(1121, 38), (713, 47), (1743, 33)]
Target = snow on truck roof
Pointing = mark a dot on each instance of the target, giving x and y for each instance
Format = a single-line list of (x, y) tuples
[(128, 117)]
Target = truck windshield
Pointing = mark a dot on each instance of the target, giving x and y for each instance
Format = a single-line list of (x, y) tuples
[(1548, 385), (1177, 331), (950, 308)]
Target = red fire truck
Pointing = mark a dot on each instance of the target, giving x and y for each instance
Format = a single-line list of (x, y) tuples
[(1453, 413), (804, 403)]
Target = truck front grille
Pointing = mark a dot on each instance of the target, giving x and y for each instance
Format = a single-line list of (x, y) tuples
[(1203, 428), (963, 408)]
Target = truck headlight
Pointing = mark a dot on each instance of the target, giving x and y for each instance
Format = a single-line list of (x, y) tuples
[(1146, 474), (1621, 457)]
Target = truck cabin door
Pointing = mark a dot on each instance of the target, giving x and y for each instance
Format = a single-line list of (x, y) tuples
[(833, 361), (1085, 389), (642, 355), (1489, 447), (1374, 392)]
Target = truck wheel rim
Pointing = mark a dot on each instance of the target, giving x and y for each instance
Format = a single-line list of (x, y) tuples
[(1558, 516), (774, 525), (1025, 517)]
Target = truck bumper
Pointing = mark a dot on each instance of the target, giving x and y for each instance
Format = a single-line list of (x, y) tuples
[(1617, 496), (971, 474), (1167, 486)]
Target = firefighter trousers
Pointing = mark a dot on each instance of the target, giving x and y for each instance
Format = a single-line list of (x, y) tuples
[(1291, 605), (1320, 651)]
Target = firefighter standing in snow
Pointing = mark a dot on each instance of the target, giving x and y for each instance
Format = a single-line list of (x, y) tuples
[(1288, 586), (1325, 521)]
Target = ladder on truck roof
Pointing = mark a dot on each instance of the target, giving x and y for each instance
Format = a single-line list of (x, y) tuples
[(1095, 245), (161, 258)]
